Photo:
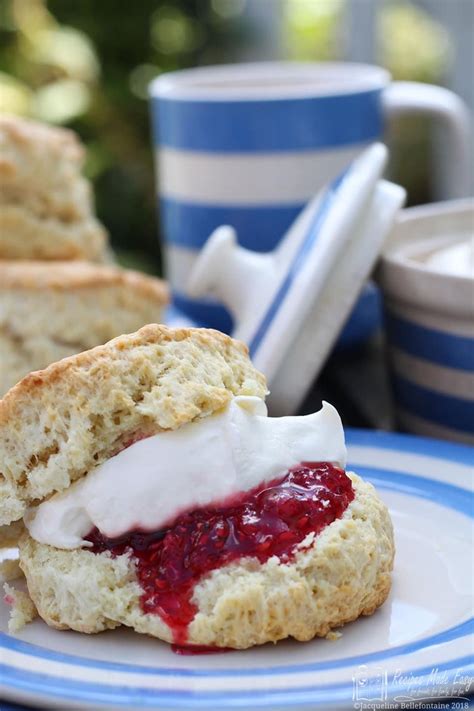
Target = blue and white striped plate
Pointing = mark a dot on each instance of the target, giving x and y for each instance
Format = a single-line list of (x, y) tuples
[(419, 644)]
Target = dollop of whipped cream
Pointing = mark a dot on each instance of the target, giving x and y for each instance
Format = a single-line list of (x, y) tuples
[(456, 259), (146, 486)]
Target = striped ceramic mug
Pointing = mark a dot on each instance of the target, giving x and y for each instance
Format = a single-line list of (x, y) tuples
[(249, 144), (430, 323)]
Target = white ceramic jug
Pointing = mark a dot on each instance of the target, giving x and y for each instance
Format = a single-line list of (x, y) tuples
[(289, 305)]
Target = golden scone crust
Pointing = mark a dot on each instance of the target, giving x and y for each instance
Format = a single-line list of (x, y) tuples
[(57, 424), (67, 276), (343, 573), (24, 235), (51, 310), (40, 165), (46, 209)]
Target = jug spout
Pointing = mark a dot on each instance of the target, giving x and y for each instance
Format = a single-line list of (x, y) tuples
[(232, 274)]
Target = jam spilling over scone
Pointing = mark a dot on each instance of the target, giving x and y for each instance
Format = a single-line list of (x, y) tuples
[(265, 522)]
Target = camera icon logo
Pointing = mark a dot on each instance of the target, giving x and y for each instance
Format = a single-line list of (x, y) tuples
[(369, 684)]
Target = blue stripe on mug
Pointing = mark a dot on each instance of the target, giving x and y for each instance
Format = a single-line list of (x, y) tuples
[(455, 413), (270, 125), (429, 344), (204, 314), (189, 225)]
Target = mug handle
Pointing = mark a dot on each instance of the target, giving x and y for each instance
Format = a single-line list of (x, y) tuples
[(453, 152)]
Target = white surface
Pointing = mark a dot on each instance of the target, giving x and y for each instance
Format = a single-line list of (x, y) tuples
[(442, 301), (456, 259), (250, 178), (431, 594), (269, 80), (246, 281), (239, 449), (321, 324)]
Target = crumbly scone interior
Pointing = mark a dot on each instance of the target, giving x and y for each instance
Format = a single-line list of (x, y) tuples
[(49, 312), (56, 425), (24, 235)]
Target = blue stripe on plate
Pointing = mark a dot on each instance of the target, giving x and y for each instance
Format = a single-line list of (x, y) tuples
[(411, 444), (441, 493), (438, 492), (299, 261), (428, 343), (259, 227), (453, 412), (456, 632), (416, 679), (268, 126)]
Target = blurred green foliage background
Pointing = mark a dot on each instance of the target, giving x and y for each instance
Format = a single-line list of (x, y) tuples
[(86, 64)]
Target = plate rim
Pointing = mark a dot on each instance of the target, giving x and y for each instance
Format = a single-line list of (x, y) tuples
[(325, 694), (412, 444), (25, 680)]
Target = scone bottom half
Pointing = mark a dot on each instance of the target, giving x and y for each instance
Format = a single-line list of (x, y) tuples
[(297, 551)]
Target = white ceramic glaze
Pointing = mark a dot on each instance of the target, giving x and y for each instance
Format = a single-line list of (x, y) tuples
[(289, 305)]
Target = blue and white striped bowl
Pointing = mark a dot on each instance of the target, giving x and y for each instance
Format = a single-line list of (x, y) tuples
[(430, 324)]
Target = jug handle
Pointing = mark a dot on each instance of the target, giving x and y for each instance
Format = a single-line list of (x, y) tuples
[(453, 154)]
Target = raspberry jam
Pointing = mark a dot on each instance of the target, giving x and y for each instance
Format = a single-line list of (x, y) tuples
[(261, 523)]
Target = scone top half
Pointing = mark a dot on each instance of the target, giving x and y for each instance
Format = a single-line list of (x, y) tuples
[(58, 424)]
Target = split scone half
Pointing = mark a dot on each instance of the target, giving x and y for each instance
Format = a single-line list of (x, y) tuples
[(158, 494), (51, 310), (46, 206)]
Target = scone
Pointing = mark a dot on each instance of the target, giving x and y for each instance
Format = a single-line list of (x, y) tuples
[(50, 310), (46, 209), (157, 494)]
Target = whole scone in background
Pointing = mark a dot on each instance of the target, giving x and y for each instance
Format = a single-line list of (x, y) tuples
[(50, 310), (58, 424), (46, 207)]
